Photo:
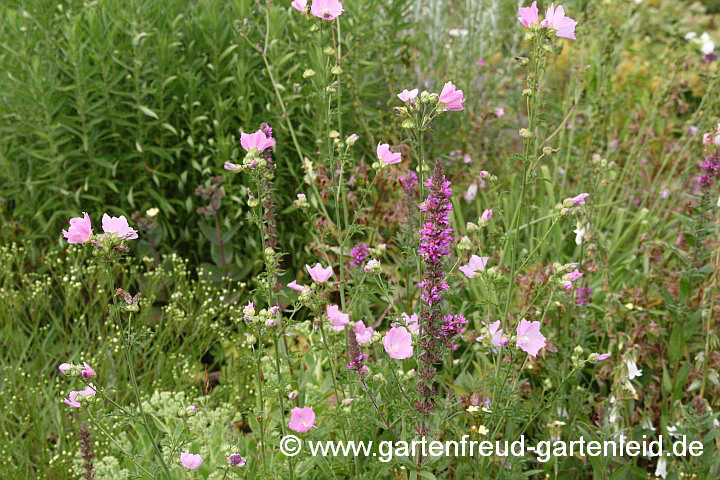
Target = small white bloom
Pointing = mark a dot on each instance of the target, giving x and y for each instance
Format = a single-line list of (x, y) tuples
[(661, 469), (580, 233), (707, 45), (152, 212), (690, 35), (458, 32), (471, 193), (633, 370)]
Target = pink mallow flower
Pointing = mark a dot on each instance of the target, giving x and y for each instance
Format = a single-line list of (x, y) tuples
[(190, 461), (452, 98), (299, 5), (486, 216), (398, 343), (529, 338), (384, 154), (475, 264), (568, 278), (119, 226), (555, 18), (601, 357), (80, 229), (302, 419), (326, 9), (87, 371), (72, 399), (529, 15), (363, 334), (579, 199), (65, 368), (408, 96), (411, 322), (298, 288), (258, 140), (498, 339), (318, 273), (337, 318)]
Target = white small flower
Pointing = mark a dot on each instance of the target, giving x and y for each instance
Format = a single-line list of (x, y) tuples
[(580, 232), (152, 212), (707, 46), (471, 193), (661, 469), (690, 35), (633, 371), (647, 423), (458, 32)]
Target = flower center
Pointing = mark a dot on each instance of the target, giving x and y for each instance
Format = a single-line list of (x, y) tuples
[(523, 339)]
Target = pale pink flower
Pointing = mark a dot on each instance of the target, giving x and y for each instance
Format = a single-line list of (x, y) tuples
[(480, 63), (707, 140), (471, 193), (80, 229), (579, 199), (302, 419), (529, 15), (89, 391), (602, 357), (363, 334), (475, 264), (298, 288), (467, 158), (411, 322), (498, 339), (384, 154), (192, 409), (292, 395), (484, 174), (574, 275), (398, 343), (555, 18), (299, 5), (87, 371), (408, 96), (230, 166), (65, 367), (337, 318), (529, 338), (452, 98), (256, 140), (487, 215), (119, 226), (190, 461), (499, 112), (326, 9), (318, 273)]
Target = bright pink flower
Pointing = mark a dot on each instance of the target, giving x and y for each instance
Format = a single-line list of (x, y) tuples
[(529, 15), (411, 322), (452, 98), (298, 288), (529, 338), (119, 226), (363, 334), (72, 397), (408, 96), (337, 318), (87, 371), (475, 264), (384, 154), (190, 461), (398, 343), (498, 339), (80, 229), (326, 9), (574, 275), (256, 140), (480, 63), (299, 5), (555, 18), (318, 273), (302, 419), (579, 199)]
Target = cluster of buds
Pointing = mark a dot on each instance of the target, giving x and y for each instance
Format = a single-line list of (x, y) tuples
[(464, 246), (71, 370), (578, 359), (378, 251), (301, 202), (190, 411), (213, 193)]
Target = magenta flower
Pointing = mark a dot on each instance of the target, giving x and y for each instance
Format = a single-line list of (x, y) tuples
[(529, 15), (529, 338), (87, 371), (258, 140), (119, 226), (302, 419), (190, 461), (555, 18), (359, 253), (452, 98), (337, 318), (475, 264), (384, 154), (236, 460), (579, 199), (72, 399), (408, 96), (363, 334), (299, 5), (326, 9), (498, 339), (298, 288), (398, 343), (80, 229), (318, 273)]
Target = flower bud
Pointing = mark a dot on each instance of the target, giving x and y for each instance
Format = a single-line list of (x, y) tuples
[(253, 202), (334, 134), (471, 227), (527, 92), (408, 124), (336, 70), (525, 133), (425, 96), (351, 140), (578, 350), (314, 27), (331, 89), (547, 150), (191, 410), (329, 51), (464, 245), (308, 73)]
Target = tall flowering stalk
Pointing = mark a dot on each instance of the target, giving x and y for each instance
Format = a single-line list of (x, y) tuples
[(436, 237)]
